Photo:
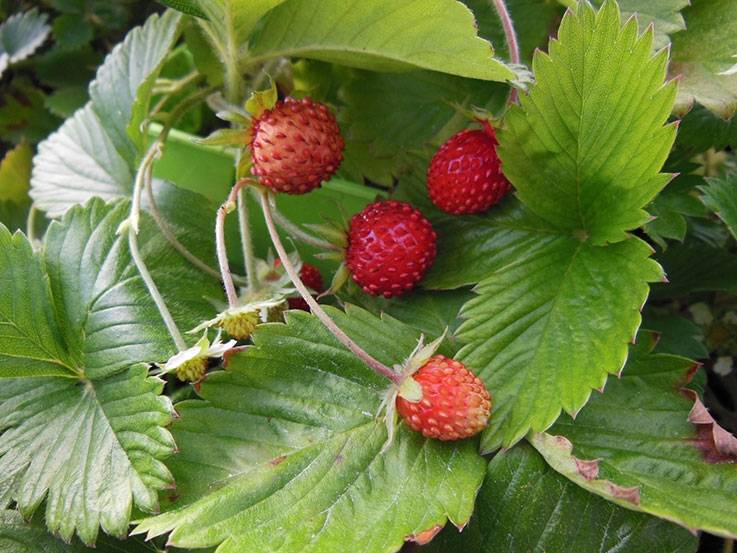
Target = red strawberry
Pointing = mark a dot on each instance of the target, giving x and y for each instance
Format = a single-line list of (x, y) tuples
[(465, 175), (311, 278), (390, 247), (295, 146), (455, 403)]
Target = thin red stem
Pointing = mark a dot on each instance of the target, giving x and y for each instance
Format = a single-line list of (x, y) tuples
[(317, 310), (511, 38)]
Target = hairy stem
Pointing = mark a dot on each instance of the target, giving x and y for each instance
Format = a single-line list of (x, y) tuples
[(222, 251), (317, 310), (295, 231), (153, 291), (511, 38), (177, 245)]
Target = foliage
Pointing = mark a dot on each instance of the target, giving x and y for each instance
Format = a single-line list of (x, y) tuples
[(582, 300)]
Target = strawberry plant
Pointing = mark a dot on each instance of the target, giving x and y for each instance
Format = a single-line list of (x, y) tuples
[(420, 275)]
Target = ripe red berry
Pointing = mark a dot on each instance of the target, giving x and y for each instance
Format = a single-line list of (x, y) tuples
[(311, 278), (465, 175), (295, 146), (390, 247), (455, 403)]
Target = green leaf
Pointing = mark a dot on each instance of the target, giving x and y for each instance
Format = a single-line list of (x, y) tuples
[(20, 35), (72, 31), (524, 505), (22, 113), (63, 102), (77, 408), (678, 335), (695, 267), (15, 174), (547, 328), (388, 115), (700, 130), (288, 432), (720, 195), (189, 7), (567, 149), (94, 153), (381, 35), (19, 536), (650, 445), (664, 15), (671, 208), (703, 56)]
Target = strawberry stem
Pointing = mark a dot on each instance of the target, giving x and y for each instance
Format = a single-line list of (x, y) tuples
[(511, 38), (315, 307), (222, 252), (247, 242), (295, 231)]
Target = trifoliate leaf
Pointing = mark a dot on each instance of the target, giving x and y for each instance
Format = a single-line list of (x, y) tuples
[(524, 505), (704, 58), (289, 432), (567, 149), (439, 35), (649, 444), (94, 152), (720, 195), (20, 35), (82, 423)]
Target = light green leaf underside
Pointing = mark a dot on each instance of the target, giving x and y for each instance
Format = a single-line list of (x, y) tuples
[(288, 433), (649, 456), (94, 153), (19, 536), (20, 35), (524, 505), (585, 147), (381, 35), (703, 53), (548, 326), (87, 432), (720, 195)]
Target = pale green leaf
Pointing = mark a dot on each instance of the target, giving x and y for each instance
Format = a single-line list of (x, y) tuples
[(289, 432), (584, 149), (703, 56), (88, 429), (20, 35), (381, 35), (524, 505), (94, 153), (649, 445), (720, 195), (549, 326), (15, 174)]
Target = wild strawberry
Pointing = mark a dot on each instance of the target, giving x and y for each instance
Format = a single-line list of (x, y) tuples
[(390, 247), (454, 405), (465, 175), (295, 146), (311, 278)]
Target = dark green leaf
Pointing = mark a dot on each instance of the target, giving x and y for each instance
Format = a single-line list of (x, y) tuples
[(72, 31), (524, 505), (695, 267), (649, 444), (65, 101), (720, 195), (289, 432)]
